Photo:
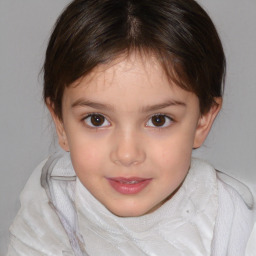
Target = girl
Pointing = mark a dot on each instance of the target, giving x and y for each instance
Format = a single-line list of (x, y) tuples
[(132, 87)]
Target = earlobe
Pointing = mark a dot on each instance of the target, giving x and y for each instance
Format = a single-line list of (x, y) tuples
[(205, 123), (62, 138)]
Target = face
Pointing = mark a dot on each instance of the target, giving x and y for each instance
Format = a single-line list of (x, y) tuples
[(130, 133)]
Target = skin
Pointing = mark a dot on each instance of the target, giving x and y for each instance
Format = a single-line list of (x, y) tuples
[(126, 94)]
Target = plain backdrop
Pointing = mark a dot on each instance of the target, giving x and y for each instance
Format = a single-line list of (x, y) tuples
[(26, 132)]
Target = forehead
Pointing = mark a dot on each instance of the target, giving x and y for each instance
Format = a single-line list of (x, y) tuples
[(125, 77), (132, 66)]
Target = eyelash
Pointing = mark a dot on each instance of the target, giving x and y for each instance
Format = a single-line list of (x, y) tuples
[(92, 126)]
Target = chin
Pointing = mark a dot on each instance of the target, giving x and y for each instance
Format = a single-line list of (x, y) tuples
[(129, 211), (128, 214)]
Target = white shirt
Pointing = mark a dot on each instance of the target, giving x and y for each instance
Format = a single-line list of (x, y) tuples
[(205, 217)]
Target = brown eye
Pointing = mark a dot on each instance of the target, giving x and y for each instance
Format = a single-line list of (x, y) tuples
[(159, 121), (96, 120)]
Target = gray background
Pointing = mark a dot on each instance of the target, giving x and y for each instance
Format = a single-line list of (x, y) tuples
[(26, 133)]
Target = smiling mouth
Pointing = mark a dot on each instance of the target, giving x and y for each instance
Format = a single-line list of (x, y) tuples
[(129, 186)]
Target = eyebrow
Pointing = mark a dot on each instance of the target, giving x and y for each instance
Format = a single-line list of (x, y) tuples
[(105, 106), (165, 104), (88, 103)]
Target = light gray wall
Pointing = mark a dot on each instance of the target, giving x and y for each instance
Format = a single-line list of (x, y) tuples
[(231, 146), (26, 135)]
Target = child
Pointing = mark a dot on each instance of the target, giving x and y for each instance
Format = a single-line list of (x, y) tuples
[(132, 87)]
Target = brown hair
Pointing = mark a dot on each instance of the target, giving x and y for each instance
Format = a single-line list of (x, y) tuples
[(178, 32)]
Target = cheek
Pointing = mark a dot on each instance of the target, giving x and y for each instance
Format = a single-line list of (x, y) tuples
[(87, 155), (173, 156), (173, 147)]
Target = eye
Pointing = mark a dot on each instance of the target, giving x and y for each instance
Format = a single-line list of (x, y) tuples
[(96, 120), (159, 121)]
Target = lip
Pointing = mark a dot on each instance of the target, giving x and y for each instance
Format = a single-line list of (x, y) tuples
[(128, 186)]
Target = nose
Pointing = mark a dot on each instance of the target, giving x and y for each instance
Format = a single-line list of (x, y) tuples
[(128, 150)]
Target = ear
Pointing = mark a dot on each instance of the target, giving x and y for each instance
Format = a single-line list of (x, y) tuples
[(205, 123), (63, 142)]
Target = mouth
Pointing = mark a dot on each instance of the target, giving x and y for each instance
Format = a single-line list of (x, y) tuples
[(128, 186)]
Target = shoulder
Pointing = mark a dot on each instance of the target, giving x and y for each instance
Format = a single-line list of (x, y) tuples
[(33, 185), (235, 199), (236, 188), (36, 229), (229, 187), (235, 216)]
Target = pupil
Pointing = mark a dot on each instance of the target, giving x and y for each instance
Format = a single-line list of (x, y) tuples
[(97, 120), (158, 120)]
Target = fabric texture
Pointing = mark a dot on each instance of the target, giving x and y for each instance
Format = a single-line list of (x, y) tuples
[(58, 216), (251, 246)]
